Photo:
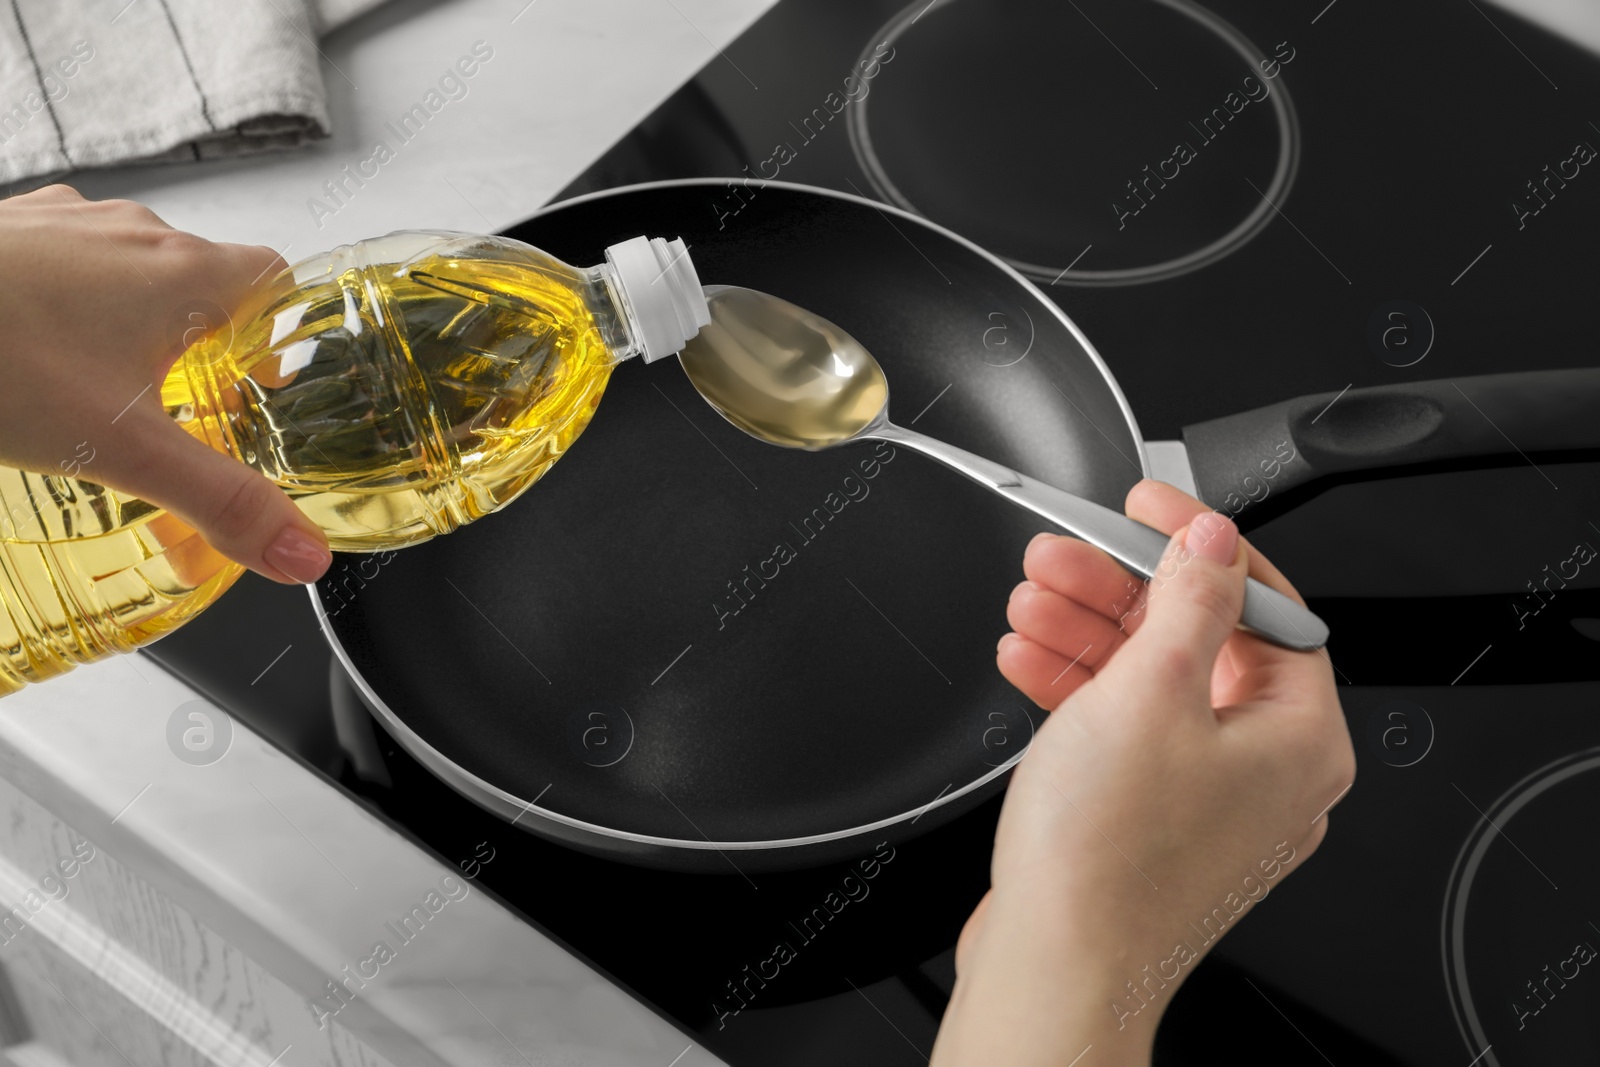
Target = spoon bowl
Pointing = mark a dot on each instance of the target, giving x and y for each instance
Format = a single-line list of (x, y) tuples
[(789, 377), (783, 374)]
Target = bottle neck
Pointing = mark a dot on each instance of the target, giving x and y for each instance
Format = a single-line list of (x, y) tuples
[(619, 329)]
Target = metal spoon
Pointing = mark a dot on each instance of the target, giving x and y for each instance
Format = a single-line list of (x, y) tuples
[(789, 377)]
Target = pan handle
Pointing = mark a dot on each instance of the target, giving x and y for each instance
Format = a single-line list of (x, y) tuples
[(1241, 460)]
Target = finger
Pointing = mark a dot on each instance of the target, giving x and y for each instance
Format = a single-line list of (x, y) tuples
[(1063, 626), (1196, 595), (1167, 507), (1044, 677), (1082, 572), (236, 509)]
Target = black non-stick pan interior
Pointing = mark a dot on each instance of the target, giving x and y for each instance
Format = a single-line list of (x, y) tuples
[(684, 633)]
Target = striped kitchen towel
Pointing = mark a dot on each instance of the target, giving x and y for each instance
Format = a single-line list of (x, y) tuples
[(94, 83)]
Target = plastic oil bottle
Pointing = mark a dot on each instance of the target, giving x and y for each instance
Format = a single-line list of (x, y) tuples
[(396, 388)]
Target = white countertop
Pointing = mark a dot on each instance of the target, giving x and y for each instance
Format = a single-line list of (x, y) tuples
[(567, 79), (237, 843)]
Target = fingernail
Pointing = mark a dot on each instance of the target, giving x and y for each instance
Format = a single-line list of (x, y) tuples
[(1026, 586), (298, 555), (1039, 537), (1212, 537), (1003, 639)]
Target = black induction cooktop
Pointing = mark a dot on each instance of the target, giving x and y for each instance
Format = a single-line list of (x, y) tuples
[(1238, 204)]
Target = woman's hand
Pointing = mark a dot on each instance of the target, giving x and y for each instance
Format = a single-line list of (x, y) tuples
[(1187, 769), (96, 298)]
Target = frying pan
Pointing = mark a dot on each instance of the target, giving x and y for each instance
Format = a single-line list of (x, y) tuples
[(688, 649)]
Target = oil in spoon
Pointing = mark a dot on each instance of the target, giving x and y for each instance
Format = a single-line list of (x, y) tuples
[(783, 374)]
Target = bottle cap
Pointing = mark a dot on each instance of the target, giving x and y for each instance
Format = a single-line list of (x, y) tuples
[(661, 293)]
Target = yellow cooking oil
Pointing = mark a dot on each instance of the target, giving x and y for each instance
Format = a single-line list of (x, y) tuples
[(396, 389)]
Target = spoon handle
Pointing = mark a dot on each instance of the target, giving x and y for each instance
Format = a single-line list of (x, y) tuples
[(1267, 612)]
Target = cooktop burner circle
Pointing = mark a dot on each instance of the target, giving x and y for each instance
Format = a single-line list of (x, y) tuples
[(1509, 938), (1177, 175)]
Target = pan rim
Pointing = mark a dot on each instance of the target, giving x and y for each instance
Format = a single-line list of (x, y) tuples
[(488, 795)]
